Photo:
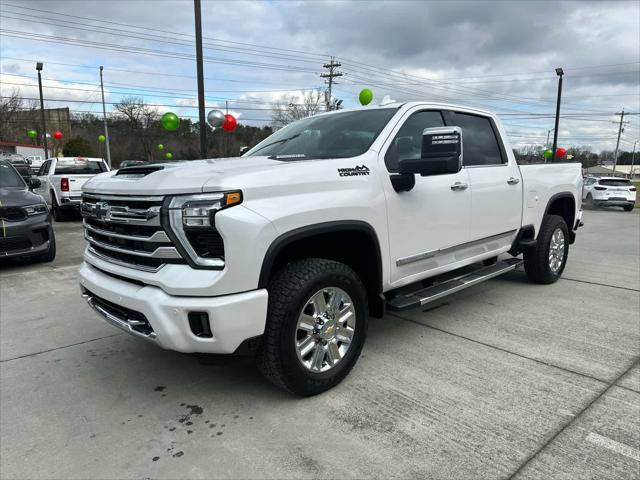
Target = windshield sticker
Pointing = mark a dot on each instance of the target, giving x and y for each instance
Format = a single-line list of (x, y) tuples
[(354, 171)]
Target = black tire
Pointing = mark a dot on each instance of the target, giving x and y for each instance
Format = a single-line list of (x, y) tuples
[(589, 201), (628, 208), (490, 261), (49, 255), (289, 292), (536, 259), (56, 211)]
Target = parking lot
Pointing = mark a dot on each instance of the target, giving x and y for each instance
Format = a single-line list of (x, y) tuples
[(504, 380)]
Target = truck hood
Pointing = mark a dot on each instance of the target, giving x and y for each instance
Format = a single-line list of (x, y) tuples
[(182, 177)]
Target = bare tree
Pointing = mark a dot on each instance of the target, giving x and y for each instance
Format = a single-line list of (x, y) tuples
[(10, 124), (141, 120), (295, 109)]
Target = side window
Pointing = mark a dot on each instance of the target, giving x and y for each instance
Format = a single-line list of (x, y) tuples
[(44, 168), (408, 141), (479, 143)]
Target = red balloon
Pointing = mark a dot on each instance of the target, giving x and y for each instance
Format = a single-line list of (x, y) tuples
[(230, 123), (561, 152), (57, 134)]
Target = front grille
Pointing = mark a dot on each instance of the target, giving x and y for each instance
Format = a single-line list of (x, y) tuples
[(12, 214), (128, 231), (14, 244)]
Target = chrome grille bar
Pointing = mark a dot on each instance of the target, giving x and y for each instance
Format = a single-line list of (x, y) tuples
[(157, 237), (160, 252)]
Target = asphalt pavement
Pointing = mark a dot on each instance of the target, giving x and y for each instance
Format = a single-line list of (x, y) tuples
[(504, 380)]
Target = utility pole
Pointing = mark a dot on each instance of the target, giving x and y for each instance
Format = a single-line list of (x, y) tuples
[(44, 126), (331, 66), (104, 119), (620, 130), (560, 73), (200, 68), (633, 158)]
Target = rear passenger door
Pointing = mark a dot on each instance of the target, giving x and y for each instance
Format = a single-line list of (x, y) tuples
[(494, 179)]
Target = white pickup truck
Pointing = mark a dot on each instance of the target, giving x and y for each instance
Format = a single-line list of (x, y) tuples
[(61, 181), (287, 250)]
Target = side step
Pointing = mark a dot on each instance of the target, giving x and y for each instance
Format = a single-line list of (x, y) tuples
[(435, 292)]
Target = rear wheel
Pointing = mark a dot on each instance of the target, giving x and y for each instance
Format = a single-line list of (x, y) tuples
[(628, 208), (316, 326), (56, 211), (545, 262), (589, 201)]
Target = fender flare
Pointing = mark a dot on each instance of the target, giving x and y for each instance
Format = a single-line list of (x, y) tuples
[(558, 196), (316, 229)]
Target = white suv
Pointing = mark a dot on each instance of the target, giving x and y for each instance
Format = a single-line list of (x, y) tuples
[(610, 192)]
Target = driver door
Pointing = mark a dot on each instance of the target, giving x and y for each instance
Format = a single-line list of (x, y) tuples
[(433, 216)]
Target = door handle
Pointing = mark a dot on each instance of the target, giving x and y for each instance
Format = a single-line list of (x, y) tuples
[(459, 186), (513, 181)]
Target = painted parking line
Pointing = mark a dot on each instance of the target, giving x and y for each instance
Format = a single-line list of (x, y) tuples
[(617, 447)]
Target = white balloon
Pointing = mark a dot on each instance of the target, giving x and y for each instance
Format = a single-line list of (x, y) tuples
[(215, 118)]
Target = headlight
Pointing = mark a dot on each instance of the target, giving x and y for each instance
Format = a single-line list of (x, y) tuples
[(35, 209), (192, 219)]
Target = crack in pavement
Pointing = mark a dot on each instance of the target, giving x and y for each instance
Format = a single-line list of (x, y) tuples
[(60, 348), (607, 384), (573, 419), (599, 284)]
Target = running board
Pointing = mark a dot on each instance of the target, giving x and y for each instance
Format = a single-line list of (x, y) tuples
[(435, 292)]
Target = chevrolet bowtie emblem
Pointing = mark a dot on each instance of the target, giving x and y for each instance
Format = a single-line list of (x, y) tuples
[(101, 210)]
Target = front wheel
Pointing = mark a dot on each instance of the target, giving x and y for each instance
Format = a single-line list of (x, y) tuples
[(316, 326), (545, 262)]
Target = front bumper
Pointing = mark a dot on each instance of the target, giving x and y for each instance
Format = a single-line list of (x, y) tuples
[(233, 318), (27, 237)]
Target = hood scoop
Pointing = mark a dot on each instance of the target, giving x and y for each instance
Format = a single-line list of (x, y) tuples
[(138, 171)]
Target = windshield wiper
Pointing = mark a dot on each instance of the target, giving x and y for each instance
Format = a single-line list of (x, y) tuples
[(278, 141), (291, 156)]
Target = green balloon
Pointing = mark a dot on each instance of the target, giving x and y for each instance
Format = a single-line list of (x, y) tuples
[(101, 138), (168, 155), (366, 96), (160, 146), (548, 153), (170, 121), (32, 134)]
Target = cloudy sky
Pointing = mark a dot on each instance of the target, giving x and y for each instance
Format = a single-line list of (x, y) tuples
[(496, 55)]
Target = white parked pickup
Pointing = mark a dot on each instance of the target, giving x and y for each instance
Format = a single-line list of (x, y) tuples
[(62, 179), (287, 250)]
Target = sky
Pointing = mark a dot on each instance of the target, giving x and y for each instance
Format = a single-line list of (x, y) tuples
[(499, 56)]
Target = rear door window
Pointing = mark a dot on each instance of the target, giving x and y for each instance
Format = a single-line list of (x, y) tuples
[(480, 144)]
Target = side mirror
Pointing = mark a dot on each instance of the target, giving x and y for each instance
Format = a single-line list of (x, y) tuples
[(243, 150), (441, 153), (34, 182)]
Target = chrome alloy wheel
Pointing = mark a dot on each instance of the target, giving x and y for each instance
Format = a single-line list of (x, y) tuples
[(325, 329), (556, 250)]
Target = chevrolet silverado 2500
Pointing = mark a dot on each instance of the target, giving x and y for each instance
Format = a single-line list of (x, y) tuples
[(288, 249)]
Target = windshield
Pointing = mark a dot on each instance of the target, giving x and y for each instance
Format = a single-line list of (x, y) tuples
[(80, 168), (9, 178), (340, 135)]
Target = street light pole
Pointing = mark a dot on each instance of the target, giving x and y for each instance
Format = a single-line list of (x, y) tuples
[(560, 73), (200, 68), (104, 118), (44, 126)]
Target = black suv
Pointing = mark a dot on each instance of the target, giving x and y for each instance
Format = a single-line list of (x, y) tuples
[(25, 223)]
